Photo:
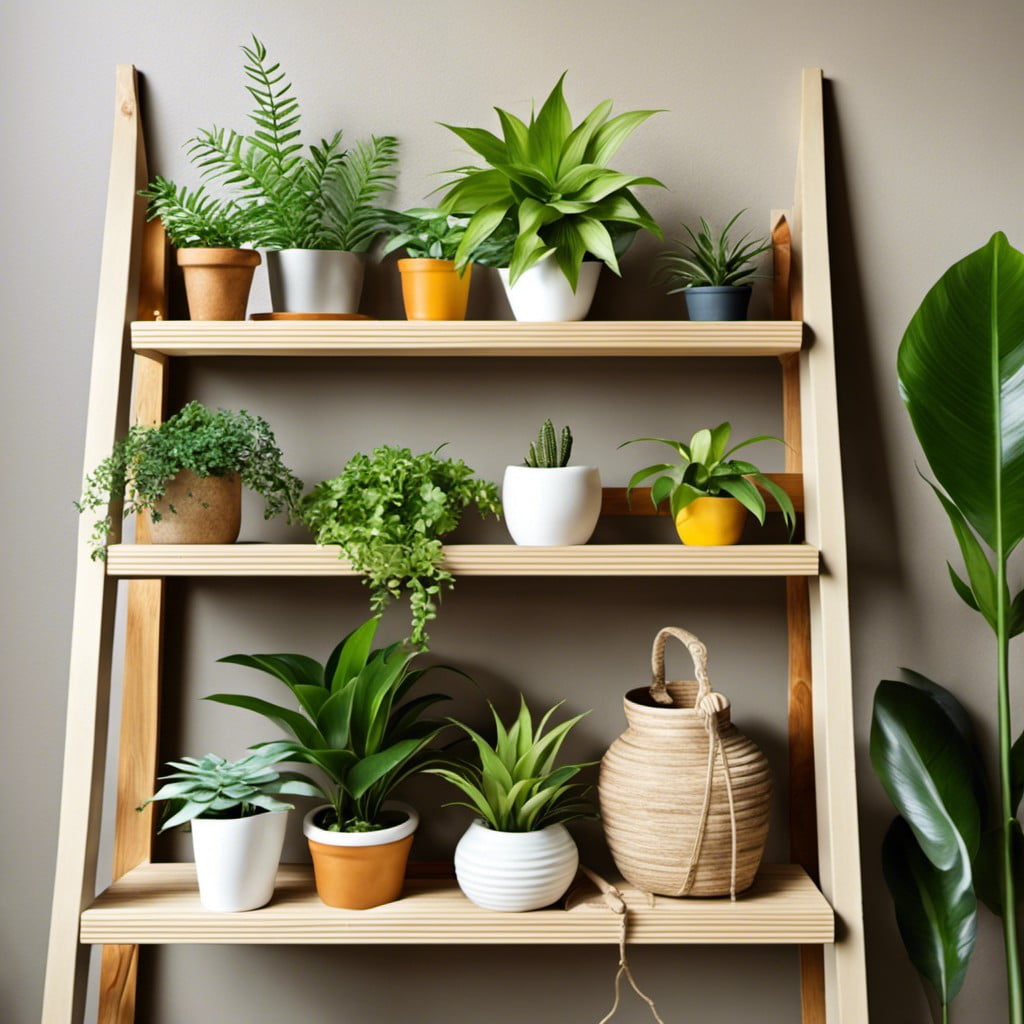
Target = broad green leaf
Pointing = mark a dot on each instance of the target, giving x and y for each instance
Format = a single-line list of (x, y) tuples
[(292, 669), (752, 440), (481, 225), (335, 717), (683, 495), (291, 721), (700, 445), (719, 439), (597, 240), (550, 130), (963, 589), (486, 143), (575, 147), (746, 494), (613, 133), (516, 134), (373, 768), (661, 489), (348, 657), (961, 374)]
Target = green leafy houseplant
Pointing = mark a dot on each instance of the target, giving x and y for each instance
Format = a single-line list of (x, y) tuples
[(207, 442), (425, 234), (707, 262), (514, 784), (545, 452), (959, 369), (211, 787), (196, 219), (324, 199), (353, 721), (547, 185), (705, 470), (388, 512)]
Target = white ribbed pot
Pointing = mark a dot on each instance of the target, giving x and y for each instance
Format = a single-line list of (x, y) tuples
[(545, 507), (515, 871), (237, 859), (543, 294), (315, 280)]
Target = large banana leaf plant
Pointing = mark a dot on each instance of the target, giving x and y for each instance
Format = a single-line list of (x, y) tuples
[(961, 375), (548, 186), (353, 721)]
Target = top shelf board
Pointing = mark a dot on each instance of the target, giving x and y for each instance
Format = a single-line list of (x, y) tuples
[(620, 338)]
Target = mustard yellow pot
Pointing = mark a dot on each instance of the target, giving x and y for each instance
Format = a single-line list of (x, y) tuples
[(711, 521)]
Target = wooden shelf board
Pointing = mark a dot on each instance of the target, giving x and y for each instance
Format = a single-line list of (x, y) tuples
[(630, 338), (159, 560), (159, 903)]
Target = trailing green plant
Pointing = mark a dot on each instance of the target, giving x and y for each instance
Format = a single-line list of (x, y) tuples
[(547, 185), (196, 219), (959, 368), (352, 721), (426, 234), (211, 787), (546, 452), (207, 442), (324, 199), (705, 470), (388, 512), (706, 261), (514, 784)]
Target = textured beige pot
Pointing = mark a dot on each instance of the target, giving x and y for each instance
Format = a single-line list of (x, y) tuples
[(217, 281), (199, 510)]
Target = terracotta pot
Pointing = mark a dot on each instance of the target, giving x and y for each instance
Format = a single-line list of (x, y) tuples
[(199, 510), (434, 290), (711, 521), (359, 870), (217, 281)]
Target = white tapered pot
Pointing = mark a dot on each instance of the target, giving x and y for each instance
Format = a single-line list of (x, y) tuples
[(315, 280), (515, 871), (237, 859), (546, 507), (543, 293)]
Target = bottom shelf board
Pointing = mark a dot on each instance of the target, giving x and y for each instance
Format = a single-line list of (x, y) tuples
[(159, 903)]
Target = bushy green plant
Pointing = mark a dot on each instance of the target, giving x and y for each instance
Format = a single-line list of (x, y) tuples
[(388, 512), (352, 721), (706, 470), (326, 199), (547, 185), (425, 234), (545, 452), (195, 219), (514, 784), (706, 261), (211, 787), (207, 442)]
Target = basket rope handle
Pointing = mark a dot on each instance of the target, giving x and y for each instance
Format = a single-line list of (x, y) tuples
[(698, 652)]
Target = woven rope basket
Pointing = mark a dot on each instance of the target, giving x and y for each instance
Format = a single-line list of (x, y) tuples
[(684, 795)]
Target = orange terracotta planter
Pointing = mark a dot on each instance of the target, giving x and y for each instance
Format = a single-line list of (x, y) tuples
[(711, 521), (206, 510), (434, 290), (217, 281)]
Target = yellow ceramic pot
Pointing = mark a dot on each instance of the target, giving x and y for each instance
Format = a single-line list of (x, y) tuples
[(434, 289), (711, 521)]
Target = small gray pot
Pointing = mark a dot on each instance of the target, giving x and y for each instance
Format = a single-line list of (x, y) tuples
[(315, 280), (728, 302)]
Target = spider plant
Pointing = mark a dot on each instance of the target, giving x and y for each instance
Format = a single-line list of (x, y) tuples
[(706, 261)]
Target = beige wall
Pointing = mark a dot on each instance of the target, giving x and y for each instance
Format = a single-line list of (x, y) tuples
[(924, 159)]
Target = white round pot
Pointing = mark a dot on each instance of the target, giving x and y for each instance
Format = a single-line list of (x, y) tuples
[(543, 293), (515, 871), (315, 280), (544, 507), (237, 859), (378, 837)]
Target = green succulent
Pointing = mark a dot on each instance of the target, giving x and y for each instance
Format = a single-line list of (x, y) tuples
[(706, 261), (547, 185), (546, 453), (210, 787)]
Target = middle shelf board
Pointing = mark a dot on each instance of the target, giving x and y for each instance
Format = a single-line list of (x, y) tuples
[(475, 338), (159, 903), (159, 560)]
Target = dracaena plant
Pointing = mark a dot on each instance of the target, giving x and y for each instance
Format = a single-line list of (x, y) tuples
[(211, 787), (353, 720), (515, 783), (547, 184), (706, 471), (707, 261)]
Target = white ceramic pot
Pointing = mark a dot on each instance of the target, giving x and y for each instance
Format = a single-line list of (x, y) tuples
[(315, 280), (542, 293), (544, 507), (515, 871), (237, 859)]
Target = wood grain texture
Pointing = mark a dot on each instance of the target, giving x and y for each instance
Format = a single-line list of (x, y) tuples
[(160, 903)]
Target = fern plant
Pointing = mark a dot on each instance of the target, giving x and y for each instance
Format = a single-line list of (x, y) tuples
[(197, 220), (324, 199), (546, 453)]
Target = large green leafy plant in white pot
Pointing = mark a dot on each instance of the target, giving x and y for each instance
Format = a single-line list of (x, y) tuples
[(550, 204)]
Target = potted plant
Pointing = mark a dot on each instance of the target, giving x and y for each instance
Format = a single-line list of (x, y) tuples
[(317, 211), (210, 236), (710, 494), (545, 500), (548, 191), (238, 823), (388, 512), (353, 724), (517, 854), (432, 289), (187, 473), (714, 274)]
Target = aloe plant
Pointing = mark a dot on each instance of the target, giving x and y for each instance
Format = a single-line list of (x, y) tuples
[(514, 784), (547, 184), (546, 452), (706, 261)]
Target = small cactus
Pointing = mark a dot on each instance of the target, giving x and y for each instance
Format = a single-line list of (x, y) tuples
[(545, 453)]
